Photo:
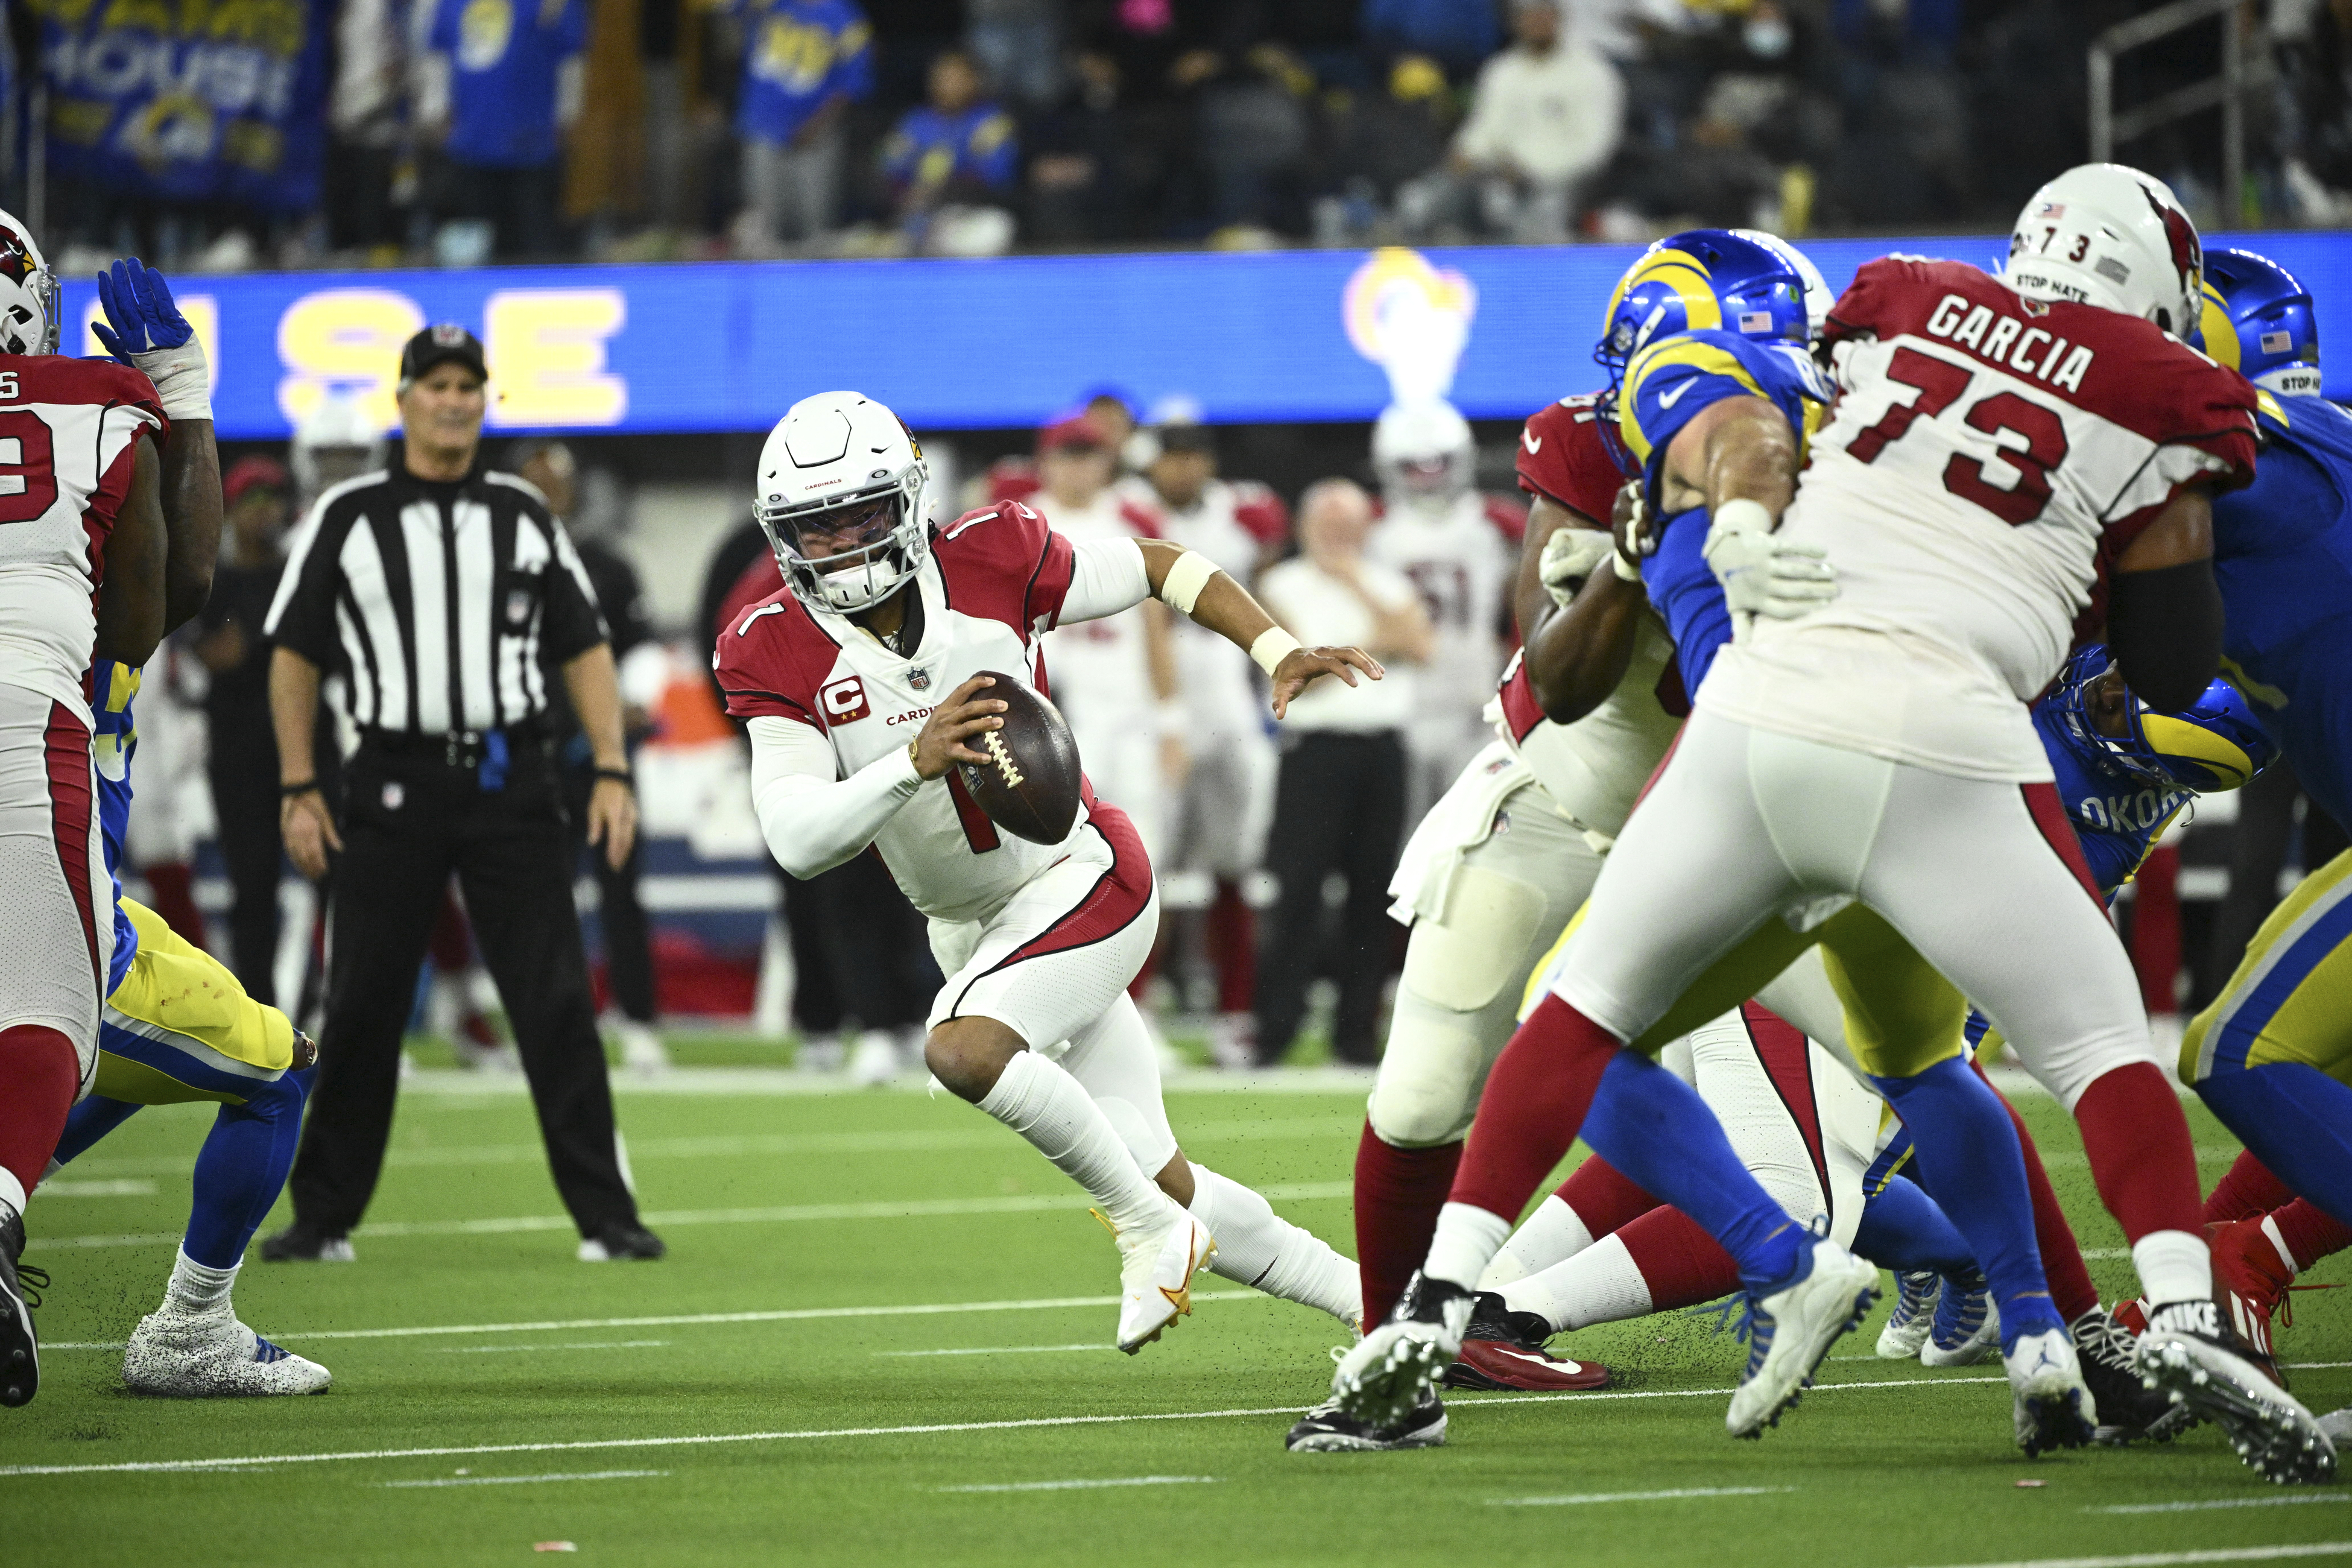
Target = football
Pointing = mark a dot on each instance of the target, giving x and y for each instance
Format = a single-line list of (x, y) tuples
[(1029, 786)]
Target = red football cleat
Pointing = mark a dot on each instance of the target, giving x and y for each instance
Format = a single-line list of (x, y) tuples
[(2250, 1279), (1499, 1364)]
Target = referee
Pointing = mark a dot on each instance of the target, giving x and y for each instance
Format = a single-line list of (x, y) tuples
[(436, 590)]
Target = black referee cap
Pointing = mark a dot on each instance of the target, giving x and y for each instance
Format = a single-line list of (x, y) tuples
[(443, 342)]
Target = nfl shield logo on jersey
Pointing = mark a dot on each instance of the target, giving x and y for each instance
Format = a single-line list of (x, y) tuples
[(920, 680)]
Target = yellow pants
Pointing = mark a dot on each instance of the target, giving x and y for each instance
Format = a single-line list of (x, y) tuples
[(2291, 998), (180, 1027)]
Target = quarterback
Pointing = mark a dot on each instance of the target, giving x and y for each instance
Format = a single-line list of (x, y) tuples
[(860, 682)]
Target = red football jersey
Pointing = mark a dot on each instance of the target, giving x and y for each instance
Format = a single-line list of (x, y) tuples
[(1564, 457)]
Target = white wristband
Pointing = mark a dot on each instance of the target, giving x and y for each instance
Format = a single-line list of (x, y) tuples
[(1627, 568), (1741, 515), (1273, 646), (1180, 589), (182, 383)]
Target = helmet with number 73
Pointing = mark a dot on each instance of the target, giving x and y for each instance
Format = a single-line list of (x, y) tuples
[(28, 293), (840, 498), (2105, 235)]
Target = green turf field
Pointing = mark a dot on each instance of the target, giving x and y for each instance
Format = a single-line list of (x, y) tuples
[(880, 1337)]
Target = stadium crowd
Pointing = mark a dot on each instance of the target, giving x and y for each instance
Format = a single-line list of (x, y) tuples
[(466, 131)]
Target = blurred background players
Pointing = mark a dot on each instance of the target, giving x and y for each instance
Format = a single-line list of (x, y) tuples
[(1340, 804), (1459, 549), (1219, 823)]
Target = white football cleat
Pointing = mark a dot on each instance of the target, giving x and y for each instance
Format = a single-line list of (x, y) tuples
[(1393, 1370), (1907, 1326), (2187, 1352), (642, 1050), (873, 1061), (2053, 1406), (186, 1356), (1790, 1329), (1966, 1326), (1155, 1274)]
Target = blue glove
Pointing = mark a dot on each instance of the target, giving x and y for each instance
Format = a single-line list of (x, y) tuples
[(139, 306)]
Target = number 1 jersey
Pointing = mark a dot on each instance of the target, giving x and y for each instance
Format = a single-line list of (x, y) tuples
[(1988, 458)]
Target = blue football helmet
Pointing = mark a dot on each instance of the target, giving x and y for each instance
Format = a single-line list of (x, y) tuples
[(2259, 322), (1704, 277), (2213, 744)]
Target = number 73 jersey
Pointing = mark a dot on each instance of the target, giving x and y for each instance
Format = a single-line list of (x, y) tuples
[(1988, 458)]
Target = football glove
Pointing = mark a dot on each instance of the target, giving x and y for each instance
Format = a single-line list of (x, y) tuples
[(145, 329), (1569, 556), (1762, 572)]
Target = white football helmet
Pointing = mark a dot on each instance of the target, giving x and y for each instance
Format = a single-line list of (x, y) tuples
[(1425, 454), (840, 468), (1817, 298), (28, 293), (2105, 235), (335, 441)]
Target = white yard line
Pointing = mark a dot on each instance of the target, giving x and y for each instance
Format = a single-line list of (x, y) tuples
[(2172, 1559), (1083, 1486), (574, 1345), (787, 1214), (2199, 1507), (934, 1429), (526, 1481), (1003, 1350), (693, 1319), (1581, 1498)]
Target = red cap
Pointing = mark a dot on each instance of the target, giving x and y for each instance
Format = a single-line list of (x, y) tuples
[(1072, 430), (247, 472)]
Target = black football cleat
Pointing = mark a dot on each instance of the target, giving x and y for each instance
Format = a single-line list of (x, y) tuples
[(622, 1241), (20, 1353), (2129, 1411), (301, 1243), (1328, 1429), (2192, 1353)]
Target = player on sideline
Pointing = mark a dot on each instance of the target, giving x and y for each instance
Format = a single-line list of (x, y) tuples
[(860, 683), (2272, 1057), (1871, 752), (82, 574)]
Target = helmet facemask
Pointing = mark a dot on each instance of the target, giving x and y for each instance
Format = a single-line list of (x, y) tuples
[(850, 553)]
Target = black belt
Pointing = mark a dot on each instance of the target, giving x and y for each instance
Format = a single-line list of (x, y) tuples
[(456, 748)]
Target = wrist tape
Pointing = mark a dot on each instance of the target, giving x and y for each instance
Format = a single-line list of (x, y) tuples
[(182, 380), (1273, 646)]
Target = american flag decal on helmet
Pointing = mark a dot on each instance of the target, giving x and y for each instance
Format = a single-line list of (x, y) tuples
[(2050, 209), (1756, 320), (2277, 342)]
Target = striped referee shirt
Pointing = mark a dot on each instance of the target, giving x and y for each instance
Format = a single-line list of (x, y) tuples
[(437, 602)]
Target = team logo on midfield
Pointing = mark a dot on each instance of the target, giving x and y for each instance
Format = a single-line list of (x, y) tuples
[(844, 700)]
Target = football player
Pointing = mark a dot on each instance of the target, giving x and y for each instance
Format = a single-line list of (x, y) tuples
[(1458, 548), (1857, 763), (862, 685), (2272, 1057), (83, 574)]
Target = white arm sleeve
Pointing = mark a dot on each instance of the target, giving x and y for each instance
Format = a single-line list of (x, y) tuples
[(1106, 576), (813, 821)]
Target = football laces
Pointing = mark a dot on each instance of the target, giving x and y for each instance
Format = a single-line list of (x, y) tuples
[(994, 741)]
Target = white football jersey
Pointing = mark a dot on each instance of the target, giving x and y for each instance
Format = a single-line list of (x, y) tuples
[(1462, 563), (995, 583), (68, 429), (1987, 459), (1102, 670), (1217, 679), (1594, 768)]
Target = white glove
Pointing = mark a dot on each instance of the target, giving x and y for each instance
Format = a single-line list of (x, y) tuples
[(1569, 556), (1762, 574)]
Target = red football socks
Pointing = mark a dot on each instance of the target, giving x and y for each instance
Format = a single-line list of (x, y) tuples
[(2311, 1232), (1680, 1263), (1231, 940), (1536, 1100), (2071, 1290), (1602, 1198), (2249, 1189), (1398, 1194), (38, 1075), (2141, 1157)]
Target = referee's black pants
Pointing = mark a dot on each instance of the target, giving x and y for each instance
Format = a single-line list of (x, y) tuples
[(410, 819)]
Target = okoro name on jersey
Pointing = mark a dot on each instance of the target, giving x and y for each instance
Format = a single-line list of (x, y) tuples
[(68, 434), (995, 583), (1987, 458)]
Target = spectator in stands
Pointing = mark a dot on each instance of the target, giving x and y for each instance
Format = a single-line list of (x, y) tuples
[(952, 162), (1377, 143), (1339, 802), (1547, 116), (1019, 44), (1457, 34), (501, 85), (1083, 158), (243, 765), (805, 61), (367, 120), (1255, 133)]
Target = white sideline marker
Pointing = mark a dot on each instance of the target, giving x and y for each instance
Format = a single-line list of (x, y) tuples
[(1083, 1486), (2173, 1559), (933, 1429), (525, 1480), (2290, 1498), (1581, 1498)]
